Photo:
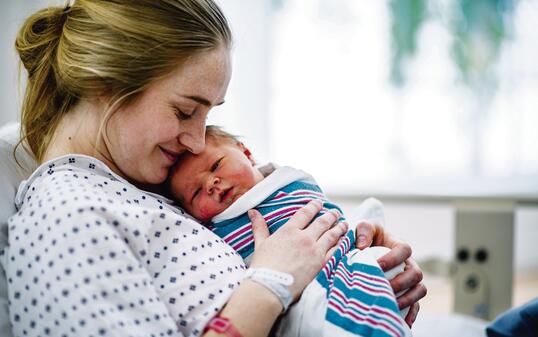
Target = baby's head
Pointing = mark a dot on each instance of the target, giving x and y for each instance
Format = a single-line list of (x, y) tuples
[(207, 183)]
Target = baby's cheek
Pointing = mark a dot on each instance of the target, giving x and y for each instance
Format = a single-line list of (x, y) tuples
[(245, 178), (207, 211)]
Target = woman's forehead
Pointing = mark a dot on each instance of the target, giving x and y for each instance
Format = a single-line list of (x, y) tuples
[(203, 77)]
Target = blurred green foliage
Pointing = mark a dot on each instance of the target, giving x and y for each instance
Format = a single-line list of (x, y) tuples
[(407, 18), (478, 27)]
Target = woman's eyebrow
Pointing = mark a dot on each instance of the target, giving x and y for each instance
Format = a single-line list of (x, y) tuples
[(202, 100)]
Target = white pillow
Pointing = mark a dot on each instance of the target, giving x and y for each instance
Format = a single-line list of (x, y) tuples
[(11, 175)]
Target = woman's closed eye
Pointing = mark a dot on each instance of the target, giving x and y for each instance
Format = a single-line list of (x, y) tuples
[(182, 115)]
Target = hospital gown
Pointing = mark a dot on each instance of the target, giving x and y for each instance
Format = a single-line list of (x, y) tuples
[(91, 255)]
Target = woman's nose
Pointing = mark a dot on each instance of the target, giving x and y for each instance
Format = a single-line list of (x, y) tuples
[(193, 141)]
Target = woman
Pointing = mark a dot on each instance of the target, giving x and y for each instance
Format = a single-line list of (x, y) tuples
[(117, 90)]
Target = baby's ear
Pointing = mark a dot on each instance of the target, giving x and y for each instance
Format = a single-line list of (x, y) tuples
[(247, 153)]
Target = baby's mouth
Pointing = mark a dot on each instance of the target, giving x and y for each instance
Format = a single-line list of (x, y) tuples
[(226, 194)]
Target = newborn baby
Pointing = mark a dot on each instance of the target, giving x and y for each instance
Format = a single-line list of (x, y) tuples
[(351, 296)]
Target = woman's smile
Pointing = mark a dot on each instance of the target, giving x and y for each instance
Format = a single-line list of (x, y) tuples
[(170, 155)]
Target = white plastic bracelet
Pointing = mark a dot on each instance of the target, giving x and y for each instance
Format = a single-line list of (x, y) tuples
[(277, 282)]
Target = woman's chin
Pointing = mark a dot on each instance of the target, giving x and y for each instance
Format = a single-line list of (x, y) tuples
[(158, 177)]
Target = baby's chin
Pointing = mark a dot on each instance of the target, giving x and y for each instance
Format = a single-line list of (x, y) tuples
[(207, 215)]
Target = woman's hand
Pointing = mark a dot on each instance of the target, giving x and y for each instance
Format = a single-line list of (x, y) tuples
[(369, 234), (299, 247)]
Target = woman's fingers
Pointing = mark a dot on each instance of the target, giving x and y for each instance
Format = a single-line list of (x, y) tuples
[(412, 296), (399, 253), (409, 278), (304, 215), (259, 226), (330, 253), (412, 314), (319, 226), (331, 237), (365, 234)]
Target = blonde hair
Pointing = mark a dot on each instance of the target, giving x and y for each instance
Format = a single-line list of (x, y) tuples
[(217, 134), (115, 47)]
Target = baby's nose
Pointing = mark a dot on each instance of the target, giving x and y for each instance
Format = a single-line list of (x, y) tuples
[(212, 183)]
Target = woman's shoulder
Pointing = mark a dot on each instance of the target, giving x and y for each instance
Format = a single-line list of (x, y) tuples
[(63, 177), (78, 188), (79, 181)]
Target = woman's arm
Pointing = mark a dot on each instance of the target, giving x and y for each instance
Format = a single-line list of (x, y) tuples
[(370, 234), (297, 248)]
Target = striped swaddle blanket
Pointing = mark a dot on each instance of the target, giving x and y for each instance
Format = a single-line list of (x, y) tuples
[(351, 292)]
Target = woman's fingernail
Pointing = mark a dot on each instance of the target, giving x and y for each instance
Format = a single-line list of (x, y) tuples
[(382, 265), (362, 240), (251, 215)]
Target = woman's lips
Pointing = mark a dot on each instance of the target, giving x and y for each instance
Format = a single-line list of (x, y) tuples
[(171, 156)]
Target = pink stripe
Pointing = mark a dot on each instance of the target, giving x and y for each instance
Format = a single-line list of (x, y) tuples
[(380, 310), (361, 275), (230, 237), (357, 317), (274, 214), (343, 246), (307, 192), (329, 265), (294, 200), (280, 195), (361, 285), (246, 241), (238, 232)]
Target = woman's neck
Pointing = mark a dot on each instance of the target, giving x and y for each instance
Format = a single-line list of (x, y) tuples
[(78, 133)]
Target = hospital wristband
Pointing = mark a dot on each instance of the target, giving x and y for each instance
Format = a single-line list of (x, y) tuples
[(275, 281), (222, 325)]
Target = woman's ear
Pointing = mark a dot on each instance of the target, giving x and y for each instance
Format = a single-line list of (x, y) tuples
[(247, 153)]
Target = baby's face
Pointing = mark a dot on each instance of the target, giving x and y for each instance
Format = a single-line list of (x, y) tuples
[(207, 183)]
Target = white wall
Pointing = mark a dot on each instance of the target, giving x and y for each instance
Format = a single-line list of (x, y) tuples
[(526, 238), (8, 62), (429, 229), (12, 15), (246, 109)]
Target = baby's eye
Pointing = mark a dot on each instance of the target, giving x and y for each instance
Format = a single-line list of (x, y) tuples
[(196, 193), (216, 165)]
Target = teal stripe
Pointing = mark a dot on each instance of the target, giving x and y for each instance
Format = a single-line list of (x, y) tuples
[(360, 329)]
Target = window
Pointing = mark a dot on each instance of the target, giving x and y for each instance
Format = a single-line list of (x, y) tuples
[(335, 112)]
